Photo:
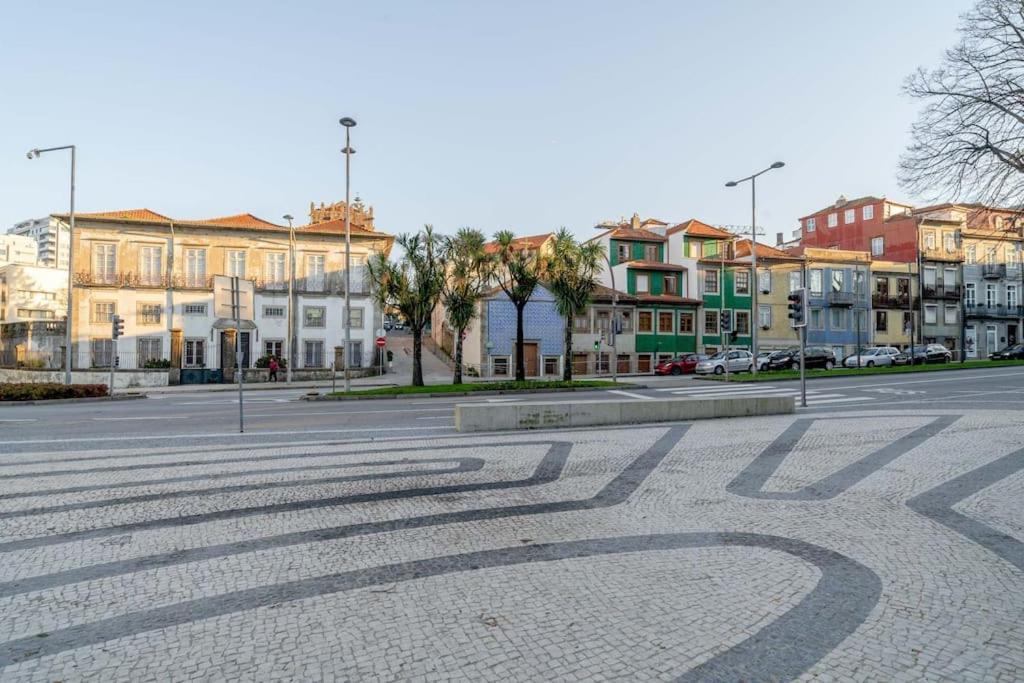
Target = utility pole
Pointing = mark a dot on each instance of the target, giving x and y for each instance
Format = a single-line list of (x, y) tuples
[(348, 123), (236, 304)]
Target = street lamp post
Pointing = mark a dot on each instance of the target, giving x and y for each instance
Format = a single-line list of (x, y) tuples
[(289, 353), (348, 123), (34, 154), (753, 249), (613, 328)]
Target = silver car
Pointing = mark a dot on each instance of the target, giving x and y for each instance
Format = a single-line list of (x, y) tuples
[(874, 356), (739, 361)]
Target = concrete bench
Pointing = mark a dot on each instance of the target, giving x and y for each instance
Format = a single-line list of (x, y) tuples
[(486, 417)]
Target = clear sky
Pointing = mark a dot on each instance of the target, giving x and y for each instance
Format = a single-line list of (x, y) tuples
[(522, 115)]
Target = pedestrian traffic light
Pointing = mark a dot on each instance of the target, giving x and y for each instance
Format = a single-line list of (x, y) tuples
[(726, 319), (798, 308), (597, 344), (116, 327)]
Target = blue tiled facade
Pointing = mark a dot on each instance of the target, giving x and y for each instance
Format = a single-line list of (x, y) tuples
[(822, 329), (541, 323)]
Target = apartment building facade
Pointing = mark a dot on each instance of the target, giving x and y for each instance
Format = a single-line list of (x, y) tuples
[(778, 274), (51, 236), (895, 303)]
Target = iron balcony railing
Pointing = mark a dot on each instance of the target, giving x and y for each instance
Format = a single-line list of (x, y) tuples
[(841, 298), (942, 291), (139, 281), (942, 253), (993, 271), (879, 300), (993, 311)]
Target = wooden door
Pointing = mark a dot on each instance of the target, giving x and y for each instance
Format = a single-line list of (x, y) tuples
[(531, 359)]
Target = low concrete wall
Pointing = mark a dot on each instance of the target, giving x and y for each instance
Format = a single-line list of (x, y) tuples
[(486, 417), (123, 379)]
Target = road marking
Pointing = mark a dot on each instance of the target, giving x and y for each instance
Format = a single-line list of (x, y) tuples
[(144, 417), (816, 400), (629, 393), (221, 435), (21, 420), (502, 400), (436, 417), (724, 386)]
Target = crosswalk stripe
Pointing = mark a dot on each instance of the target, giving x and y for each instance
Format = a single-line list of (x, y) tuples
[(838, 400), (703, 390)]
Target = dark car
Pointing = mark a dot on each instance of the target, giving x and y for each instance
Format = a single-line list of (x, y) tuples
[(1012, 352), (929, 353), (814, 357), (681, 365)]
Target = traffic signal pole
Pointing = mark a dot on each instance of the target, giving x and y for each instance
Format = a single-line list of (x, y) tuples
[(116, 330), (798, 319)]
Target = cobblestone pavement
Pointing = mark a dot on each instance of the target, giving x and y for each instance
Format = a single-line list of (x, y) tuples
[(854, 546)]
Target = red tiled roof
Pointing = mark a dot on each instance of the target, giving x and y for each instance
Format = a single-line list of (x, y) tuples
[(763, 250), (146, 215), (336, 227), (241, 220), (602, 293), (531, 242), (852, 204), (696, 228), (667, 299), (641, 235), (654, 265)]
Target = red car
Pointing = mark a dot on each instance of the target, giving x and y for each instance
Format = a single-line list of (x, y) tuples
[(681, 365)]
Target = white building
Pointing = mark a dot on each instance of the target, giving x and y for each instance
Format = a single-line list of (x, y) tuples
[(19, 249), (50, 234), (29, 292)]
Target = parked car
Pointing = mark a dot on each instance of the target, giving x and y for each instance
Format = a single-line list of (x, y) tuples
[(762, 360), (929, 353), (872, 356), (814, 357), (1012, 352), (739, 361), (680, 365)]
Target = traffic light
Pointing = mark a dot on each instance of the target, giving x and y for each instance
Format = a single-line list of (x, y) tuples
[(726, 319), (597, 344), (116, 326), (797, 308)]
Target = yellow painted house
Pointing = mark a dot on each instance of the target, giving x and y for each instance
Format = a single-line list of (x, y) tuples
[(894, 303), (778, 273)]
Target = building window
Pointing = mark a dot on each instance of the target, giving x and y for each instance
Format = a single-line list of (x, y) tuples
[(868, 212), (194, 309), (665, 325), (833, 220), (742, 323), (103, 311), (354, 357), (742, 282), (313, 353), (104, 263), (1011, 296), (314, 316), (151, 265), (651, 252), (500, 363), (816, 321), (971, 294), (971, 254), (149, 348), (149, 314), (951, 315), (908, 322), (838, 276), (672, 284), (685, 322), (34, 314), (877, 246), (931, 314), (273, 347), (626, 321), (817, 281), (357, 318), (764, 315), (881, 321), (604, 320), (315, 272), (1011, 255), (273, 311), (711, 282), (849, 216), (236, 264), (990, 255), (949, 242), (929, 276), (195, 353), (101, 352), (581, 322), (550, 365), (644, 322), (929, 240), (195, 267), (764, 281), (710, 321), (809, 225), (795, 281), (643, 283), (882, 285), (949, 277), (837, 318), (991, 296), (622, 253), (274, 276)]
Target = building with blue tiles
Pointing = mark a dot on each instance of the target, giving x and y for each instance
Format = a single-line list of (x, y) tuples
[(839, 300)]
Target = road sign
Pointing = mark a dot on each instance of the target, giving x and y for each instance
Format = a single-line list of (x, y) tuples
[(381, 332), (382, 342)]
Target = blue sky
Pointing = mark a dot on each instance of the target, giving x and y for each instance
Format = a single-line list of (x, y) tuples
[(520, 115)]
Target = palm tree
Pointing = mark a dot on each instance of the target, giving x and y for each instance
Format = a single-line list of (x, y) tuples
[(412, 286), (518, 269), (572, 278), (470, 269)]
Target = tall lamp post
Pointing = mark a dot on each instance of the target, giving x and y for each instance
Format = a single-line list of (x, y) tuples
[(753, 249), (349, 124), (613, 329), (34, 154), (289, 353)]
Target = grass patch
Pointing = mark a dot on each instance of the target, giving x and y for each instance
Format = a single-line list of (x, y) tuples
[(776, 375), (507, 386)]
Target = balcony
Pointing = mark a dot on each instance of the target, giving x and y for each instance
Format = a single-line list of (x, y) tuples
[(138, 281), (993, 271), (841, 298), (992, 311), (942, 292), (879, 300), (942, 254)]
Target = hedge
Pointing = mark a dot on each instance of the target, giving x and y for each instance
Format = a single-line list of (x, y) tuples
[(32, 391)]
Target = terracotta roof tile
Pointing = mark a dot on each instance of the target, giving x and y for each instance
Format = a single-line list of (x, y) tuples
[(667, 299), (602, 293), (654, 265), (146, 215), (530, 242), (763, 250), (241, 220), (699, 229), (641, 235), (336, 227)]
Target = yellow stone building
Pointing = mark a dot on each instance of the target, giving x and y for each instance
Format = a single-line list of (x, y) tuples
[(895, 302)]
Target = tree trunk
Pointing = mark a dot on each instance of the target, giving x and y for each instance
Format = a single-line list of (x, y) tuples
[(458, 358), (567, 354), (520, 363), (417, 357)]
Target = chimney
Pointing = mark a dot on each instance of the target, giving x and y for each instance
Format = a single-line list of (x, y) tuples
[(841, 201), (778, 239), (635, 221)]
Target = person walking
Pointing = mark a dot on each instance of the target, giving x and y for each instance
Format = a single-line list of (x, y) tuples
[(273, 366)]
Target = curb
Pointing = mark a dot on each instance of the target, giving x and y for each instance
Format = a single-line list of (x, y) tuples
[(938, 369), (493, 392), (59, 401)]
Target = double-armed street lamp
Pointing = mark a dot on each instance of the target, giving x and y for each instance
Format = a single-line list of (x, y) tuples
[(348, 123), (753, 252), (34, 154)]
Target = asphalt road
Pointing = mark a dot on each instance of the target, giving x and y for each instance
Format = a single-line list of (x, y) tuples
[(278, 416)]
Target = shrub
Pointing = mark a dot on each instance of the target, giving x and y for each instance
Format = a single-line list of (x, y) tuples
[(31, 391), (157, 364), (264, 362)]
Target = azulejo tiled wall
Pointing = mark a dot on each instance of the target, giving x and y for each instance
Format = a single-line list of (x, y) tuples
[(541, 322)]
